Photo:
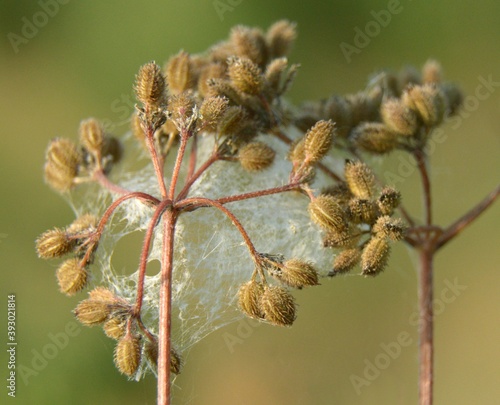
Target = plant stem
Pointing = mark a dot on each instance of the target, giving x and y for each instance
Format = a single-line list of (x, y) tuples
[(426, 348), (164, 343), (422, 167)]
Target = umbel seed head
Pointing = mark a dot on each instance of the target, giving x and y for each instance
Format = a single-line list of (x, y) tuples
[(54, 243), (278, 306), (128, 354), (256, 156), (72, 277), (150, 86)]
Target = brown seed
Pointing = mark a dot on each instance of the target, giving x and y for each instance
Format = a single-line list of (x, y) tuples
[(318, 141), (398, 117), (115, 327), (375, 137), (327, 213), (54, 243), (84, 223), (211, 111), (180, 74), (432, 72), (297, 273), (71, 276), (280, 38), (360, 179), (92, 312), (388, 200), (91, 136), (62, 163), (150, 86), (428, 101), (362, 211), (375, 256), (278, 306), (345, 261), (256, 156), (249, 297), (245, 75), (387, 227), (128, 354)]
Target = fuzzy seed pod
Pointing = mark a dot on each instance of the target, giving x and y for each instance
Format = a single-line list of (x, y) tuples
[(375, 256), (375, 137), (387, 227), (318, 141), (389, 200), (71, 276), (103, 294), (398, 117), (92, 312), (128, 354), (114, 327), (249, 297), (362, 211), (175, 362), (432, 72), (84, 223), (180, 75), (296, 154), (297, 273), (54, 243), (245, 75), (249, 43), (223, 88), (150, 86), (212, 110), (274, 72), (360, 179), (327, 213), (428, 101), (62, 163), (278, 306), (345, 261), (280, 38), (151, 353), (256, 156), (91, 136)]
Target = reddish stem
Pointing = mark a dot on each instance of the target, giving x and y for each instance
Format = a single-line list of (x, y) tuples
[(157, 164), (422, 167), (180, 156), (191, 179), (165, 331), (144, 254), (104, 181), (260, 193), (426, 349)]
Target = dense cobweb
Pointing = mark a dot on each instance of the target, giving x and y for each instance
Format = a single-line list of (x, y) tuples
[(210, 259)]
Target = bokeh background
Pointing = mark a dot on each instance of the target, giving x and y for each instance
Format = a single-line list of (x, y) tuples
[(81, 62)]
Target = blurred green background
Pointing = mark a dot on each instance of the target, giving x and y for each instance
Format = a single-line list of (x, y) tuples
[(81, 62)]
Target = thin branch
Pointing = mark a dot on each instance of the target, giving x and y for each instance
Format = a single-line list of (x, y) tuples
[(165, 322), (157, 163), (459, 225), (178, 161), (144, 254), (185, 190), (426, 184)]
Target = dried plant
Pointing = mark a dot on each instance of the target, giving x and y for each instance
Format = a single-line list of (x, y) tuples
[(295, 182)]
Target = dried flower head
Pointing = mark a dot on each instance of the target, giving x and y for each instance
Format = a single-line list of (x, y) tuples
[(296, 273)]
